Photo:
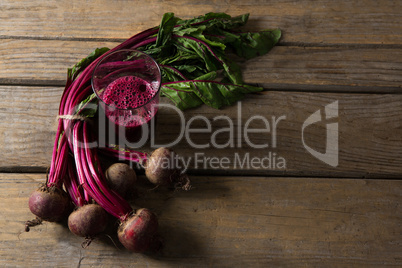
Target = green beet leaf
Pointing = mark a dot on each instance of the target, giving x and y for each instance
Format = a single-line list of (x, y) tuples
[(253, 44), (82, 64), (88, 107), (182, 96), (212, 93)]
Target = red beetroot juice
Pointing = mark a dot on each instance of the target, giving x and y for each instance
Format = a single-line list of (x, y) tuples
[(131, 104)]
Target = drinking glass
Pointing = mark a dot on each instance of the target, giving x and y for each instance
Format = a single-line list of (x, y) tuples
[(127, 83)]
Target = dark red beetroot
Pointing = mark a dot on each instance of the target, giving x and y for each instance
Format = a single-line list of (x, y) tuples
[(138, 232), (50, 203), (88, 220), (160, 170), (121, 178)]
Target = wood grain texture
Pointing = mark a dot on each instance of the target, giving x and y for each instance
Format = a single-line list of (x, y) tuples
[(305, 21), (370, 132), (228, 222), (44, 61), (284, 68)]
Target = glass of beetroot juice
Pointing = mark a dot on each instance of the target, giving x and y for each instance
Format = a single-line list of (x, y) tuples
[(127, 84)]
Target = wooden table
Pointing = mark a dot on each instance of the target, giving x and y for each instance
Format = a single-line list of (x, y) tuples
[(308, 213)]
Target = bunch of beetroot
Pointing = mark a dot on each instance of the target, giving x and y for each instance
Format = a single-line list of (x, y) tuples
[(88, 196), (77, 188), (195, 70)]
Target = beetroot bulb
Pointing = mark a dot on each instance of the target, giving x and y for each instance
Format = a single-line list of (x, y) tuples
[(50, 202), (88, 221), (138, 232), (138, 229), (160, 170), (121, 178)]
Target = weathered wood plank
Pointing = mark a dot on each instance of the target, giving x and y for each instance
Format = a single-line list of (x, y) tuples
[(370, 133), (228, 222), (313, 68), (23, 61), (334, 69), (39, 107), (305, 21)]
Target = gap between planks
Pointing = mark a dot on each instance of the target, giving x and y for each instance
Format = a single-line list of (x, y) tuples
[(285, 43), (230, 173), (335, 89)]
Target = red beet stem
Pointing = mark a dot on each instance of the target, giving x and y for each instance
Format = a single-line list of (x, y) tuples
[(76, 187), (86, 177), (126, 154), (144, 42), (72, 188), (61, 165), (113, 197), (78, 161)]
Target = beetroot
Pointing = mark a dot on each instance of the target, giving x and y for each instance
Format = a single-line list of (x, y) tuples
[(88, 220), (50, 203), (139, 232), (160, 170), (121, 178)]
